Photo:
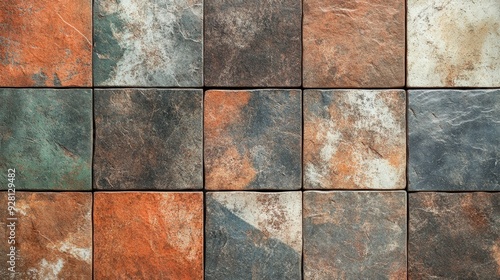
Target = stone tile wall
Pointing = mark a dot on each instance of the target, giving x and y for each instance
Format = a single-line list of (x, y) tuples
[(215, 139)]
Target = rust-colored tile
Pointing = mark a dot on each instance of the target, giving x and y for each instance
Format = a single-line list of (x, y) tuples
[(354, 139), (53, 235), (148, 235), (45, 43), (354, 43), (454, 235), (252, 139)]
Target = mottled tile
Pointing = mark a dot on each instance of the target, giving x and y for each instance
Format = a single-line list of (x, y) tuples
[(148, 43), (148, 235), (454, 236), (354, 43), (45, 43), (253, 235), (253, 43), (253, 139), (47, 138), (354, 139), (148, 139), (454, 140), (355, 235), (53, 236), (453, 43)]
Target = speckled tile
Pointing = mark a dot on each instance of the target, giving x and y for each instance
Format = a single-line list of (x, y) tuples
[(355, 235), (253, 43), (148, 43), (454, 140), (354, 139), (453, 43), (454, 236), (354, 44), (148, 235), (253, 235), (47, 138), (45, 43), (53, 236), (148, 139), (253, 139)]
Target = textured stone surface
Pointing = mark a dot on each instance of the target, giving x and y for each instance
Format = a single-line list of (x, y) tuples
[(253, 139), (148, 43), (53, 236), (354, 139), (253, 235), (454, 236), (45, 43), (454, 142), (355, 235), (148, 235), (253, 43), (46, 135), (354, 43), (453, 43), (148, 139)]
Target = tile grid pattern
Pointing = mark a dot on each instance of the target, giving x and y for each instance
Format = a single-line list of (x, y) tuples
[(234, 131)]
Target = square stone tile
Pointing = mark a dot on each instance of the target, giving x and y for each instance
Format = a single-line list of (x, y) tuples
[(454, 236), (47, 138), (252, 235), (148, 235), (52, 235), (454, 140), (354, 139), (354, 44), (253, 139), (253, 43), (148, 139), (148, 43), (453, 43), (46, 43), (354, 235)]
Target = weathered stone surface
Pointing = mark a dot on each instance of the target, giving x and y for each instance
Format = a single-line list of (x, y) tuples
[(454, 236), (253, 235), (148, 235), (46, 135), (253, 139), (355, 235), (453, 43), (253, 43), (45, 43), (148, 43), (354, 43), (354, 139), (148, 139), (53, 236), (454, 140)]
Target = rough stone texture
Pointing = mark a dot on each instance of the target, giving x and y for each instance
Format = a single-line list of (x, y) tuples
[(47, 137), (148, 43), (453, 43), (45, 43), (454, 142), (253, 43), (148, 235), (148, 139), (53, 235), (354, 139), (253, 235), (454, 236), (354, 43), (253, 139), (355, 235)]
